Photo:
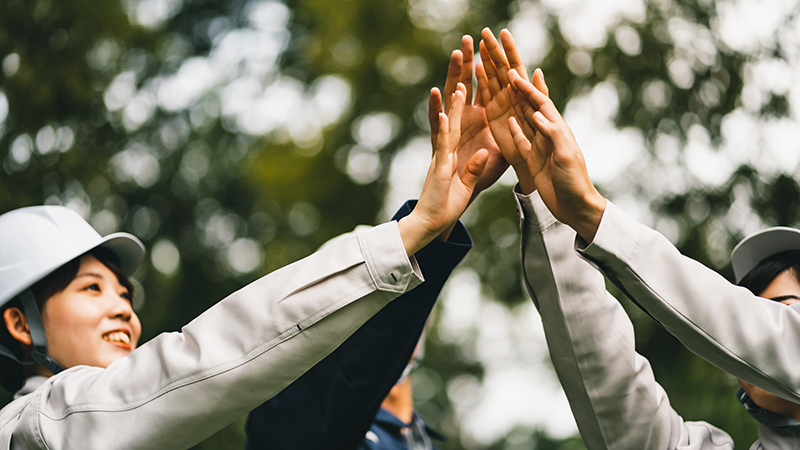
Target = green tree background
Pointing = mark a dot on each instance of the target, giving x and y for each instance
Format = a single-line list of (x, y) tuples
[(234, 137)]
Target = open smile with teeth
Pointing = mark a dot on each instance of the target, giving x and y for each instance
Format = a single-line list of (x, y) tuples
[(120, 337)]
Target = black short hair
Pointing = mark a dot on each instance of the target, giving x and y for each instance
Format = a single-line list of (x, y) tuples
[(767, 270), (11, 377)]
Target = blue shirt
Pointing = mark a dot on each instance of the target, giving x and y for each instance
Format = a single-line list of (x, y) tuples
[(390, 433)]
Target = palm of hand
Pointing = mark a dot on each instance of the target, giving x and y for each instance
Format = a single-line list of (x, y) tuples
[(498, 110), (475, 135), (554, 168), (453, 194)]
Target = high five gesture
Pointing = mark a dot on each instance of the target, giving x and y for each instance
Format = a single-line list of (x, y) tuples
[(554, 160), (447, 191)]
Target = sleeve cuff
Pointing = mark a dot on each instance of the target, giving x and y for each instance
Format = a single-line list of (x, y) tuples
[(615, 241), (389, 266), (532, 210)]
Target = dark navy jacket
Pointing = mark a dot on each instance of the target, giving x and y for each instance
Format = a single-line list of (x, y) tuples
[(333, 405)]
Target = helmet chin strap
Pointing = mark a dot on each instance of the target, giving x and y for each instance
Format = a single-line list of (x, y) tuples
[(39, 353)]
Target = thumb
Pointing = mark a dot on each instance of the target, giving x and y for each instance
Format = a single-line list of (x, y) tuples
[(474, 169), (520, 140)]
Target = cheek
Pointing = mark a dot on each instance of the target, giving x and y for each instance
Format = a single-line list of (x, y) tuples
[(136, 327), (74, 317)]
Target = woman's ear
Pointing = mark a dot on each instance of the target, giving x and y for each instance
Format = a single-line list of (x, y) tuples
[(17, 325)]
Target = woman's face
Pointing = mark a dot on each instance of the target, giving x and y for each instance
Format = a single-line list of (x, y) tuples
[(91, 322), (785, 289)]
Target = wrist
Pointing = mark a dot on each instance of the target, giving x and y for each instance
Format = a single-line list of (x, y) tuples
[(526, 184), (587, 222), (414, 233)]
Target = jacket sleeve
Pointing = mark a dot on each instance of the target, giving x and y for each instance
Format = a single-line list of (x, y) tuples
[(616, 401), (180, 388), (742, 334), (334, 404)]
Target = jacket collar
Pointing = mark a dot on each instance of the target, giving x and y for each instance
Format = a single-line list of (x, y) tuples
[(388, 421), (31, 384)]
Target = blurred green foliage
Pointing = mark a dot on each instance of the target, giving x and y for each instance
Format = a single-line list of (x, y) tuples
[(208, 188)]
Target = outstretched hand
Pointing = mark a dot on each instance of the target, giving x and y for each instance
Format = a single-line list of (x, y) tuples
[(500, 101), (447, 191), (475, 132), (554, 160)]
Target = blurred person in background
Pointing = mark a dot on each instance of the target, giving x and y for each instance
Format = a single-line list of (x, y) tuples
[(613, 394), (69, 333), (397, 426), (338, 402)]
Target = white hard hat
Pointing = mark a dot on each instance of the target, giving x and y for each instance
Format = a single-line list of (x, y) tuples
[(34, 242), (761, 245), (37, 240)]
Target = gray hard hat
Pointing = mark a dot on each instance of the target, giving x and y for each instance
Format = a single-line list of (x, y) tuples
[(761, 245)]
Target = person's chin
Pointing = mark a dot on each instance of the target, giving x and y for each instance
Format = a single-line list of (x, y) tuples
[(113, 355)]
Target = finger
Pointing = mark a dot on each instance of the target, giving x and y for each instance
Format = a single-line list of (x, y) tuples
[(454, 115), (512, 53), (434, 109), (537, 99), (468, 52), (453, 77), (442, 139), (484, 92), (496, 54), (522, 105), (518, 110), (524, 113), (549, 129), (538, 82), (474, 169), (489, 68), (522, 143)]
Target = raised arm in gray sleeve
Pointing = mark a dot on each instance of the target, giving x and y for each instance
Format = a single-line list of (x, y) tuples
[(749, 337), (616, 401), (180, 388)]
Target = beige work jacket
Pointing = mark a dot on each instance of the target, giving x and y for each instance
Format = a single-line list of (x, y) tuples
[(613, 394), (180, 388)]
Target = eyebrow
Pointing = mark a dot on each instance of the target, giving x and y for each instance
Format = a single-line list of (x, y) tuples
[(781, 298), (89, 274)]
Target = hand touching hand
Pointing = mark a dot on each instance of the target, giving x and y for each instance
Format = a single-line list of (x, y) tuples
[(554, 160), (501, 103), (447, 191), (475, 132)]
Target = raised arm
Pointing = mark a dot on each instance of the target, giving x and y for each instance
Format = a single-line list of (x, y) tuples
[(334, 404), (616, 401), (180, 388), (747, 336)]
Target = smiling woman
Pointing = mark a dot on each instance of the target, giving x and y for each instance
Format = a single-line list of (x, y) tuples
[(90, 321), (81, 300)]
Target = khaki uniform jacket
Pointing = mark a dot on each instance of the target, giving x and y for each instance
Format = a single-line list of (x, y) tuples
[(616, 400), (180, 388)]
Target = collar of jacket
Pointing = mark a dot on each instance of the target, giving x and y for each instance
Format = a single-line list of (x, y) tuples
[(388, 421), (767, 418), (31, 384)]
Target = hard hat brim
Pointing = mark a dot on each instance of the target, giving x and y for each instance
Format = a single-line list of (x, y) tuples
[(127, 248), (761, 245)]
